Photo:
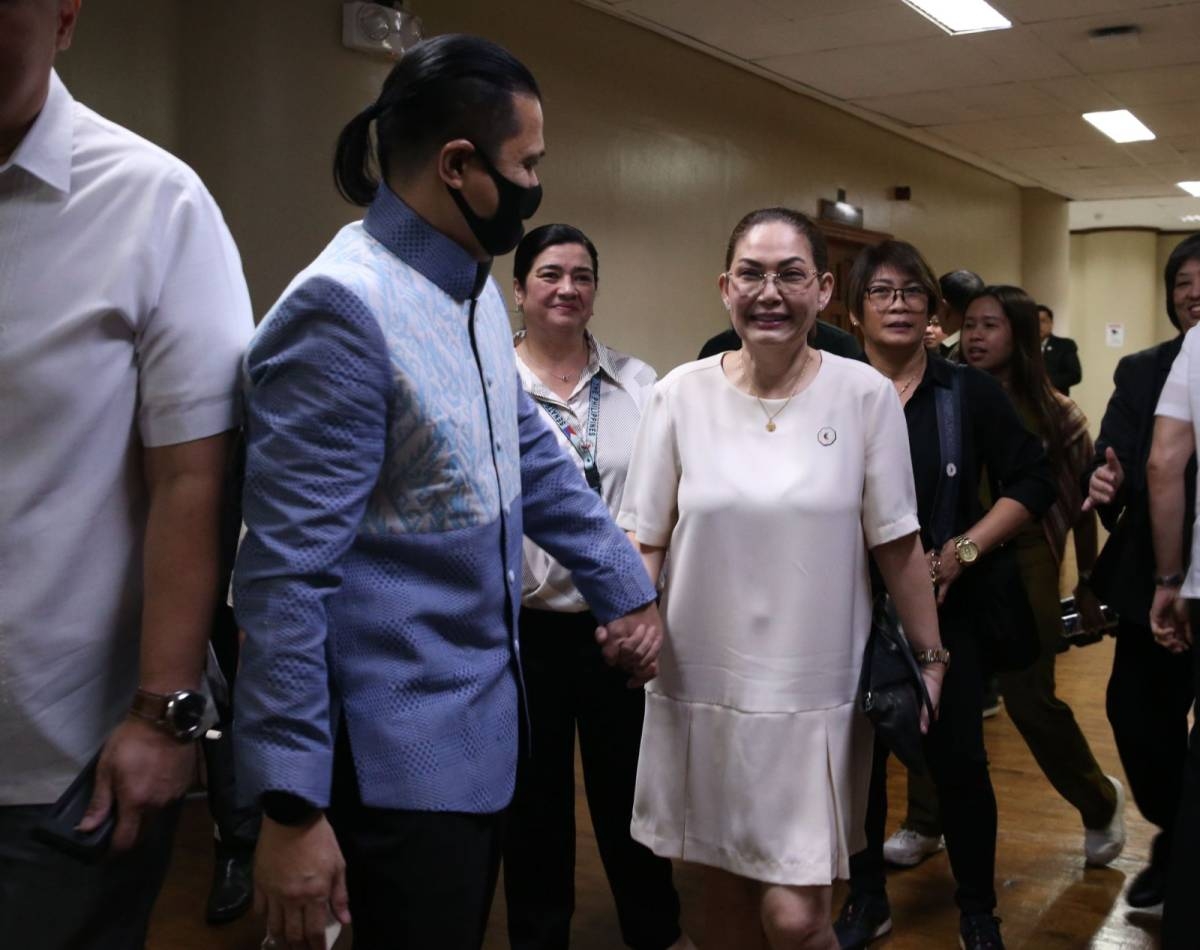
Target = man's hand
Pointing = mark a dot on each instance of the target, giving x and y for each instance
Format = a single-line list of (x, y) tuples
[(632, 642), (299, 879), (1169, 620), (1105, 482), (143, 769)]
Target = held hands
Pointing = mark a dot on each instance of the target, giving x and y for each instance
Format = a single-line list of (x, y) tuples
[(1169, 620), (143, 769), (299, 879), (1105, 482), (632, 642), (944, 569)]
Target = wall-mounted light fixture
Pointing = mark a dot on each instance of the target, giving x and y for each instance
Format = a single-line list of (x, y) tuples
[(379, 28), (840, 211)]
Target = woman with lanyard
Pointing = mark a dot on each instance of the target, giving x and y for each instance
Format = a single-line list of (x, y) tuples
[(892, 294), (592, 396)]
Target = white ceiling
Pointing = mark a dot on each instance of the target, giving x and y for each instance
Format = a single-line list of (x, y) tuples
[(1007, 101)]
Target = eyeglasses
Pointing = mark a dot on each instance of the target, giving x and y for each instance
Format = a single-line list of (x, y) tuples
[(881, 295), (750, 282)]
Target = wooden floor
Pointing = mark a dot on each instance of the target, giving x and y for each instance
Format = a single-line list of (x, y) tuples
[(1048, 900)]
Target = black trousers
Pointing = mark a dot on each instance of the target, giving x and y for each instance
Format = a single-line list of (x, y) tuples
[(416, 879), (236, 825), (1181, 910), (569, 685), (1149, 694), (957, 763), (51, 901)]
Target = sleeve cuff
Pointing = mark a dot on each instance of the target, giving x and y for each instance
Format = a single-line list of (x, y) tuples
[(171, 425), (892, 531)]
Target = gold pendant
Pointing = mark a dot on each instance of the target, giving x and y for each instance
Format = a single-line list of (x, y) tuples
[(770, 426)]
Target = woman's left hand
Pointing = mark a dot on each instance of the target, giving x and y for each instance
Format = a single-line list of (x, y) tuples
[(944, 569), (932, 675), (1087, 605)]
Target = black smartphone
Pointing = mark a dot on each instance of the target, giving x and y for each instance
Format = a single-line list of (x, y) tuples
[(57, 829)]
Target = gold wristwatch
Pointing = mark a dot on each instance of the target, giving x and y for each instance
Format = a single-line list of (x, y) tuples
[(966, 551), (932, 655)]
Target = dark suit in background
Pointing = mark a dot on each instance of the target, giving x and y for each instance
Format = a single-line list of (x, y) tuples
[(1061, 356), (824, 336), (1150, 690)]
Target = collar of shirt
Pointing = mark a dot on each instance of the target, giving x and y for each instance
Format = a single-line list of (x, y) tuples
[(423, 247), (600, 360), (937, 373), (952, 339), (45, 152)]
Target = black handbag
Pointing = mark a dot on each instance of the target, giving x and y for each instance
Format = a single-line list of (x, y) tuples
[(891, 690)]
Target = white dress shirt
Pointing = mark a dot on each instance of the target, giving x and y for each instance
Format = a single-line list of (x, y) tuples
[(123, 316), (625, 385), (1180, 400)]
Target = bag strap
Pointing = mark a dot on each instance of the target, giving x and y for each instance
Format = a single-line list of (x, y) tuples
[(948, 401)]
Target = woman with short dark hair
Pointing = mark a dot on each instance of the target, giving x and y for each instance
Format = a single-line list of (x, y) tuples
[(592, 397), (892, 295)]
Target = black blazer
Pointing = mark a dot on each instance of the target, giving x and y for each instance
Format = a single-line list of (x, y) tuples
[(1061, 357), (1124, 573)]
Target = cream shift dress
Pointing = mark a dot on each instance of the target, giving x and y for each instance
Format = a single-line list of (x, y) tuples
[(754, 758)]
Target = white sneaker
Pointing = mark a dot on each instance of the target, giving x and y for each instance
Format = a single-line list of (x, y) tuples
[(1102, 846), (908, 848)]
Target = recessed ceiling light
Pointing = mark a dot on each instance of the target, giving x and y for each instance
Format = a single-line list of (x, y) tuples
[(1191, 187), (961, 16), (1190, 218), (1120, 125)]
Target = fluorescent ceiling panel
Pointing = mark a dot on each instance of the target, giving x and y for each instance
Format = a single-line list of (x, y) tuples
[(1120, 125), (1191, 187), (961, 16)]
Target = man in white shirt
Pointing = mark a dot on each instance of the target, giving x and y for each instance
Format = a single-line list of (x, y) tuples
[(123, 315), (1176, 594)]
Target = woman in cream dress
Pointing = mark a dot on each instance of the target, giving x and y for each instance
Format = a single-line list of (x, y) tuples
[(769, 473)]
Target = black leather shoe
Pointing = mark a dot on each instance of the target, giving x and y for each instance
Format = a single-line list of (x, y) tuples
[(1149, 887), (231, 891), (864, 917), (979, 932)]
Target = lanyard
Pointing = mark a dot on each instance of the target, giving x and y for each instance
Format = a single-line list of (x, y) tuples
[(585, 446)]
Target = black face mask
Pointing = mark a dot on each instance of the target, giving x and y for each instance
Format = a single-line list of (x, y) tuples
[(503, 231)]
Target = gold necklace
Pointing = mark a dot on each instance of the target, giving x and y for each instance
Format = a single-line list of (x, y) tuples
[(912, 379), (772, 416), (565, 377)]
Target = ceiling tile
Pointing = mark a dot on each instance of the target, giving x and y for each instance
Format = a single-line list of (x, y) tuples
[(941, 62), (1169, 119), (1079, 93), (1008, 134), (1149, 86), (967, 104), (1169, 35), (1036, 11), (1157, 152)]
